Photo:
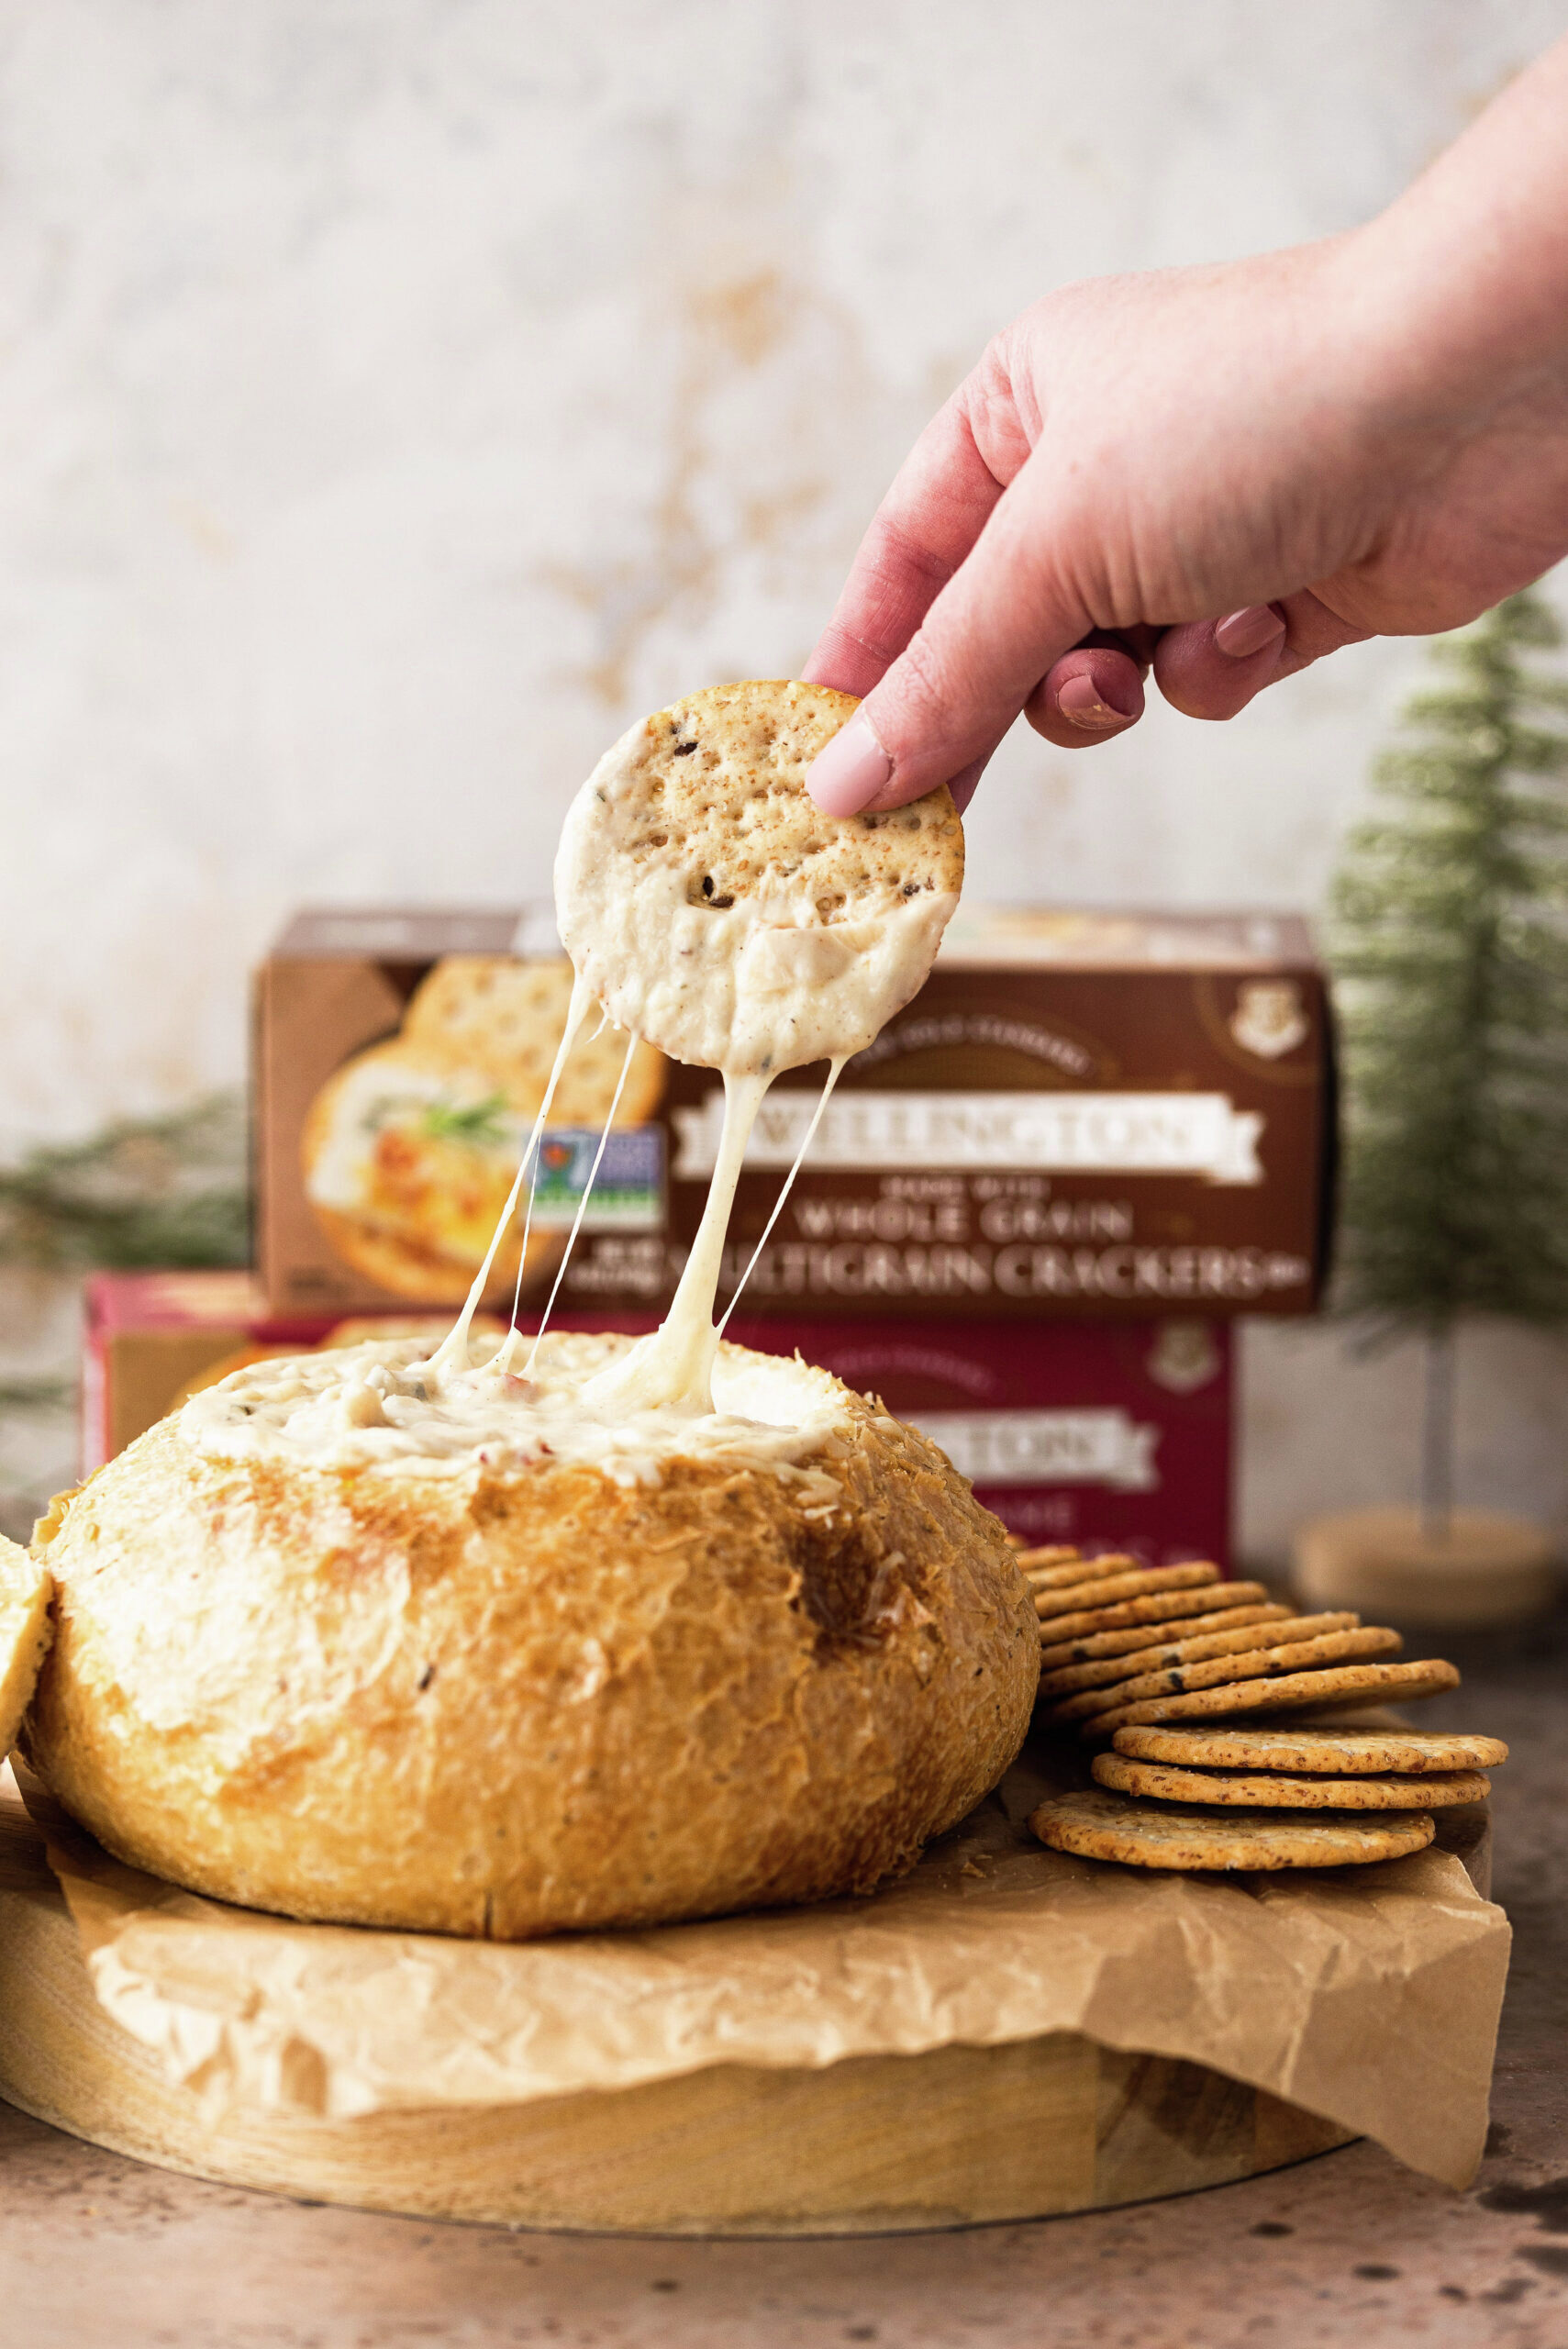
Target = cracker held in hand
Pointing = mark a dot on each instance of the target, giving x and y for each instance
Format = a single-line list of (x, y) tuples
[(1099, 1825), (697, 884), (1216, 1672), (1343, 1684), (1347, 1752), (1275, 1790), (1183, 1647), (25, 1631)]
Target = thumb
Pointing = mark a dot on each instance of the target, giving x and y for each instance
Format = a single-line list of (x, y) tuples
[(987, 641)]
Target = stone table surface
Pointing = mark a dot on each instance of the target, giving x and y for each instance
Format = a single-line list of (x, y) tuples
[(101, 2253)]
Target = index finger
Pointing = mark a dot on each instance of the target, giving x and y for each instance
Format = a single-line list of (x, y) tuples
[(933, 515)]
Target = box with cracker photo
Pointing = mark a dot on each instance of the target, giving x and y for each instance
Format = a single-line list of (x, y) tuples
[(1080, 1116), (399, 1061)]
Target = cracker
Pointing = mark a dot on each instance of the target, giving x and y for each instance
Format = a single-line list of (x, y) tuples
[(25, 1631), (1079, 1573), (720, 785), (1094, 1645), (507, 1016), (1099, 1825), (702, 810), (1054, 1553), (1190, 1647), (1301, 1745), (1142, 1584), (1160, 1782), (1336, 1683), (1269, 1661), (1163, 1607)]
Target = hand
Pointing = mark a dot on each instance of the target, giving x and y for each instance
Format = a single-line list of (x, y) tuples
[(1222, 474)]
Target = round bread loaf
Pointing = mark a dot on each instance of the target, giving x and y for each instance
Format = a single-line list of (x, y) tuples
[(513, 1700)]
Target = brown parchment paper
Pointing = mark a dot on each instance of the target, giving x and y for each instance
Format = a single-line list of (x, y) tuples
[(1367, 1995)]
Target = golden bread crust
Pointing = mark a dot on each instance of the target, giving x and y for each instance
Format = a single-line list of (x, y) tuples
[(517, 1704), (25, 1631)]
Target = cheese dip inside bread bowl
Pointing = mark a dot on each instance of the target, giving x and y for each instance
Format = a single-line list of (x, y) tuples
[(512, 1637)]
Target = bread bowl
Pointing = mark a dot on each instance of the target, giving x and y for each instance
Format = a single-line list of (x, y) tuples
[(534, 1682)]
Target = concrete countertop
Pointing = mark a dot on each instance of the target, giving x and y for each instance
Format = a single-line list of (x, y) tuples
[(100, 2253)]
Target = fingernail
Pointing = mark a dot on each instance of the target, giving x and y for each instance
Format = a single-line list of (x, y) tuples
[(848, 774), (1240, 634), (1079, 703)]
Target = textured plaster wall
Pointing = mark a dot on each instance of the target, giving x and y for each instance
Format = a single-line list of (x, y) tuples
[(397, 396)]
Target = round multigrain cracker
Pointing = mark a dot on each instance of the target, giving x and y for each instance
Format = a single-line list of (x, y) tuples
[(1265, 1662), (1274, 1789), (1336, 1683), (1077, 1574), (710, 904), (1061, 1635), (1301, 1745), (25, 1631), (1098, 1825), (507, 1016), (1141, 1581), (1190, 1647), (1092, 1646)]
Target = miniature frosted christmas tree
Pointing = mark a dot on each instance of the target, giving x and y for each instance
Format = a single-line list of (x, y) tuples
[(1452, 962)]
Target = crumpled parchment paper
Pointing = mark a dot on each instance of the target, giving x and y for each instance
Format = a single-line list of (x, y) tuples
[(1367, 1995)]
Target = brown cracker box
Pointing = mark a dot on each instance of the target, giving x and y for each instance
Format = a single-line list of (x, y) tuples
[(1106, 1436), (1080, 1115)]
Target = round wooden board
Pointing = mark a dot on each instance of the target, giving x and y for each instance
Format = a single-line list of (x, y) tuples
[(876, 2144)]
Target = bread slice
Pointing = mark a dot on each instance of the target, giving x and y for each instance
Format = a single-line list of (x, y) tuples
[(27, 1587)]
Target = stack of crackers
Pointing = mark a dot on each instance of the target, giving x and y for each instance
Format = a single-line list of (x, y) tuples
[(1124, 1645), (1169, 1663)]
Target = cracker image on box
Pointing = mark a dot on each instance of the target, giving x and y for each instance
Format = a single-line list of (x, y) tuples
[(409, 1149)]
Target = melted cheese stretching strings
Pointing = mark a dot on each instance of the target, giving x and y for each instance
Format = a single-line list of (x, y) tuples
[(452, 1352), (514, 1335), (786, 1187), (673, 1368)]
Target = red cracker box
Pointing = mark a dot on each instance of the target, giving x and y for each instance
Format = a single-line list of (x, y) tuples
[(1081, 1116), (1108, 1436), (1113, 1436)]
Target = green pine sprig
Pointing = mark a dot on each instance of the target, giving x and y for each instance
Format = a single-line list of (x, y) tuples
[(155, 1192), (479, 1123)]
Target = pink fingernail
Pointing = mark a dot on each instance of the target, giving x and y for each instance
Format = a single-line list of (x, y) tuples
[(1240, 634), (1079, 703), (848, 774)]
